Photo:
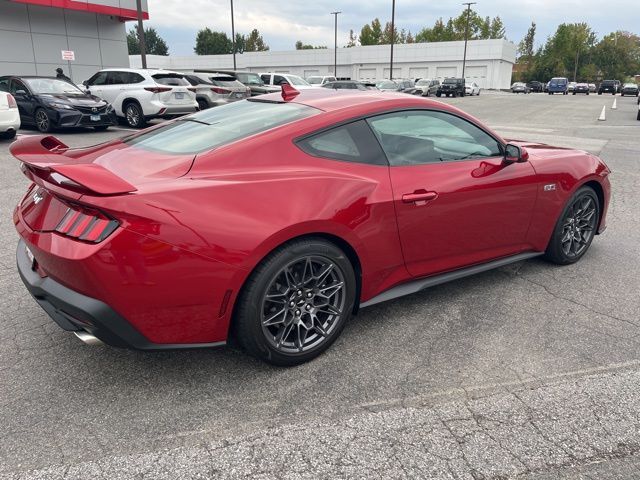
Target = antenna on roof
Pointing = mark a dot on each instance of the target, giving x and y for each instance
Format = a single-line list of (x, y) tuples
[(288, 92)]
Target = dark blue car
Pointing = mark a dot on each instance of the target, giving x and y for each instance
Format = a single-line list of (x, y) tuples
[(558, 85)]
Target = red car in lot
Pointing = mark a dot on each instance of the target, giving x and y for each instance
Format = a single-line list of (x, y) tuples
[(274, 219)]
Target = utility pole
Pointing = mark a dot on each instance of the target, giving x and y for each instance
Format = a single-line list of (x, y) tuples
[(143, 45), (335, 48), (466, 35), (233, 37), (393, 39)]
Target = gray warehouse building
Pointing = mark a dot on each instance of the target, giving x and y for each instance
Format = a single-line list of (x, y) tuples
[(81, 36)]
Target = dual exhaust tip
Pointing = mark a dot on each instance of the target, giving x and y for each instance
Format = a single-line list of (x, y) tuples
[(87, 338)]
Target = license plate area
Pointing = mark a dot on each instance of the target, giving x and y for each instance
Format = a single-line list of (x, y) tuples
[(95, 118), (179, 95)]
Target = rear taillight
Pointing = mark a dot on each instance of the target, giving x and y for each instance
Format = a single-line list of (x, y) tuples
[(222, 91), (86, 224), (12, 101), (192, 89), (158, 89)]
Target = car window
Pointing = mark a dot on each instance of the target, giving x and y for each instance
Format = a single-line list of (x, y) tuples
[(17, 85), (421, 136), (132, 77), (99, 78), (266, 79), (226, 82), (352, 142), (170, 79), (4, 84), (219, 126), (279, 80)]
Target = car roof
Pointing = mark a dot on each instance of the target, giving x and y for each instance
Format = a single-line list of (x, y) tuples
[(150, 71)]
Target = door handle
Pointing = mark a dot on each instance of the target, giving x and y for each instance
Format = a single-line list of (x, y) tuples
[(419, 197)]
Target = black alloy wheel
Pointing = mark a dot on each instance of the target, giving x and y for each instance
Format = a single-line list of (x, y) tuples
[(134, 115), (296, 302), (575, 228), (43, 123), (202, 104)]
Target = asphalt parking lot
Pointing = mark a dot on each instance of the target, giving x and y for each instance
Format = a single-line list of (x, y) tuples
[(530, 371)]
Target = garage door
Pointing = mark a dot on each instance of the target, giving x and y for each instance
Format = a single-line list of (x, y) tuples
[(367, 74), (418, 72), (477, 74), (446, 72)]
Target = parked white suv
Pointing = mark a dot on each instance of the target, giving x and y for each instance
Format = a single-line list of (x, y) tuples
[(277, 79), (319, 81), (9, 115), (139, 95)]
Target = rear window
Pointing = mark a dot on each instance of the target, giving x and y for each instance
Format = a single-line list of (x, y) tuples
[(226, 82), (219, 126), (170, 79)]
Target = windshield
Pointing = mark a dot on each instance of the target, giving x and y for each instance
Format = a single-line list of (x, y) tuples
[(387, 84), (424, 81), (218, 126), (52, 86), (314, 80), (250, 78), (558, 81), (295, 80)]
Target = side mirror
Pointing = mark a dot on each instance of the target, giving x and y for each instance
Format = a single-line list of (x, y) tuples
[(515, 154), (86, 83), (21, 92)]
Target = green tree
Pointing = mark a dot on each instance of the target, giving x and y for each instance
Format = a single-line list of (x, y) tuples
[(617, 55), (497, 29), (154, 43), (353, 40), (455, 28), (385, 38), (209, 42), (526, 53), (366, 36), (255, 42), (304, 46), (240, 43)]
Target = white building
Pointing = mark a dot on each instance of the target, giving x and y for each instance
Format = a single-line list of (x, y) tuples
[(489, 62)]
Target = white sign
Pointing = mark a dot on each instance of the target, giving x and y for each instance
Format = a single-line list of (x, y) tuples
[(68, 55)]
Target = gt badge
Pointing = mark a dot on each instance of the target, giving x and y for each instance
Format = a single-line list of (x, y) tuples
[(37, 197), (550, 188)]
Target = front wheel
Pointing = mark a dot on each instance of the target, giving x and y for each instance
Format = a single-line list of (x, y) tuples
[(296, 302), (43, 123), (575, 228)]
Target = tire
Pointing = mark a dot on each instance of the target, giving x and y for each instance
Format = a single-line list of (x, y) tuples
[(293, 276), (438, 95), (8, 135), (133, 115), (580, 217), (202, 104), (638, 117), (43, 122), (101, 128)]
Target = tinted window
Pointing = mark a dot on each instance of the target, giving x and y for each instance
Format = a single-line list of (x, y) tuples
[(133, 77), (266, 79), (99, 78), (226, 82), (279, 80), (353, 142), (116, 78), (17, 85), (4, 84), (170, 79), (419, 137), (219, 126), (250, 78)]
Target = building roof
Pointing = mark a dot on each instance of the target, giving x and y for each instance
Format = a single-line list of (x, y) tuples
[(124, 9)]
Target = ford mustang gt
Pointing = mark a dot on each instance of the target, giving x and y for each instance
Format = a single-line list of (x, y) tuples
[(272, 220)]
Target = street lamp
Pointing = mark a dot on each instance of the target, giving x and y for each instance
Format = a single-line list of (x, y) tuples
[(335, 48), (143, 45), (466, 35), (233, 37), (393, 31)]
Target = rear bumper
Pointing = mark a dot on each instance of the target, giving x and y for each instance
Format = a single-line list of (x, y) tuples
[(75, 312), (9, 120)]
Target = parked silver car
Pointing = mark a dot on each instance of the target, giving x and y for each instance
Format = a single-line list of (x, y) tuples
[(214, 89)]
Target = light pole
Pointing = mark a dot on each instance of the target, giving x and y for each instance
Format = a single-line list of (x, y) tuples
[(393, 31), (233, 37), (335, 47), (466, 35), (143, 45)]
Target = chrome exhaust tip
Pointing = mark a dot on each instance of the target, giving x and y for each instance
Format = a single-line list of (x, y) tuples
[(87, 338)]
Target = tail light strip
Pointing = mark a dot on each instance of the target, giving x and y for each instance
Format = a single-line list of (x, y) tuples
[(11, 101), (86, 224)]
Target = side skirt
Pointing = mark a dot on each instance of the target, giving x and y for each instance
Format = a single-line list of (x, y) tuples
[(424, 283)]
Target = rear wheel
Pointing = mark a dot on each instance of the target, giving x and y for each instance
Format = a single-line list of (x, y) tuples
[(43, 123), (8, 135), (296, 302), (575, 228), (134, 116), (202, 104)]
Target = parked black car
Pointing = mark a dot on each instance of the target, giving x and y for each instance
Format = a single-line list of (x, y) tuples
[(346, 85), (49, 103), (581, 88), (427, 87), (535, 86), (609, 86), (249, 79), (630, 89), (452, 87)]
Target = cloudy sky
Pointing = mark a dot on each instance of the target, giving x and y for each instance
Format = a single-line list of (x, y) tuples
[(282, 22)]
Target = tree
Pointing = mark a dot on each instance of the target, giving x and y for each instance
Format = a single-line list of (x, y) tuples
[(209, 42), (376, 30), (455, 28), (497, 29), (366, 36), (240, 43), (153, 41), (255, 42), (617, 55), (353, 40), (525, 47), (385, 38), (410, 38)]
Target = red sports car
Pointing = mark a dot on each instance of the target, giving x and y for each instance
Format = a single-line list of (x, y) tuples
[(275, 218)]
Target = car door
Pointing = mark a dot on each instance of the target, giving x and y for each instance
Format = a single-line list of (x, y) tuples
[(113, 86), (96, 85), (457, 202), (24, 99)]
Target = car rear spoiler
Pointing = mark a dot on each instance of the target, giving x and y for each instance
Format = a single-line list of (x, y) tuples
[(44, 157)]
